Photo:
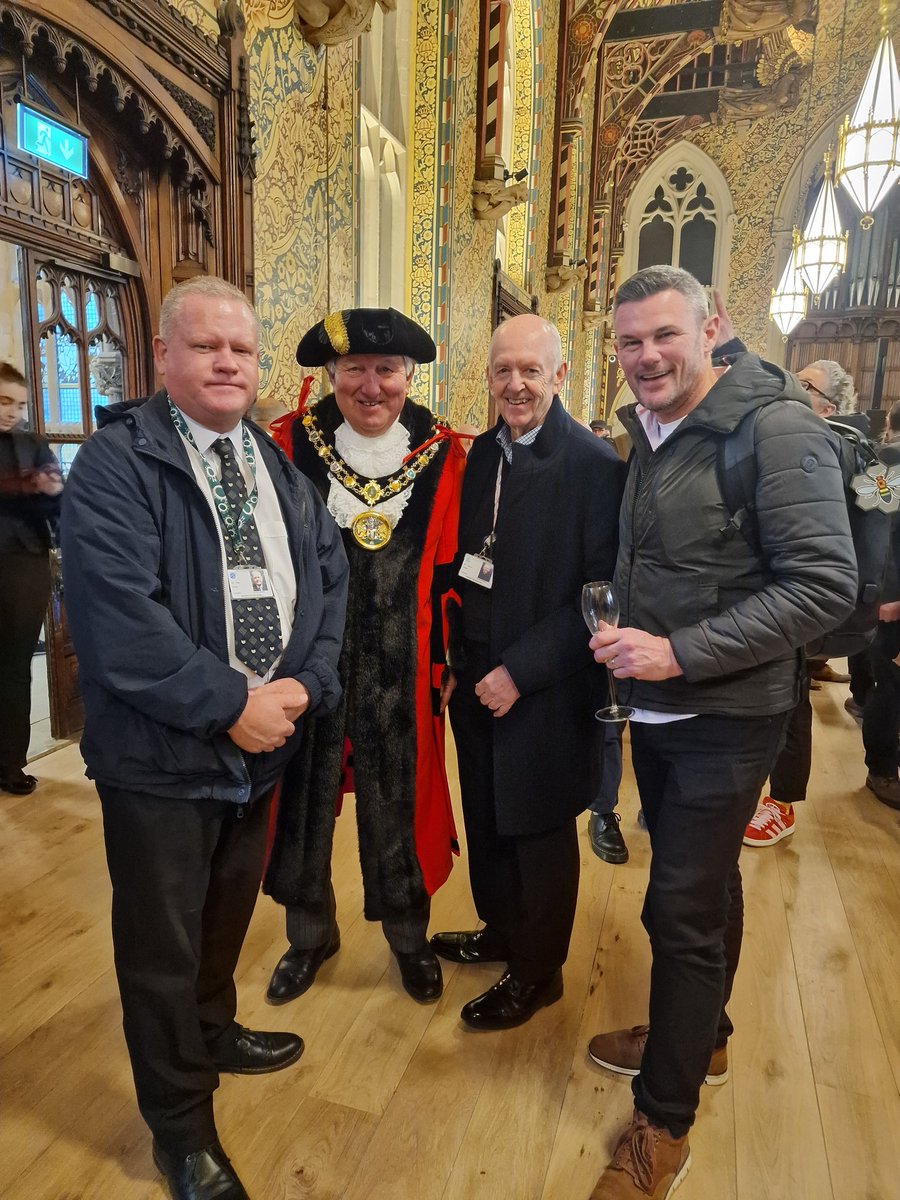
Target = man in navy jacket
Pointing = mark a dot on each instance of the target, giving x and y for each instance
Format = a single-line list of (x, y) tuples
[(205, 586)]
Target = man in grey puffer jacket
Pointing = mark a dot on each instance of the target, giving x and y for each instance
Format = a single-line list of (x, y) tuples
[(708, 644)]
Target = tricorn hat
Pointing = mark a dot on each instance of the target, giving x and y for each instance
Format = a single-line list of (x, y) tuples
[(364, 331)]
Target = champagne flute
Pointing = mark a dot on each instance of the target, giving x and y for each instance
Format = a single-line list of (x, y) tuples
[(600, 606)]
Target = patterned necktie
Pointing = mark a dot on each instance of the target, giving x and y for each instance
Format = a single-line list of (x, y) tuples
[(257, 626)]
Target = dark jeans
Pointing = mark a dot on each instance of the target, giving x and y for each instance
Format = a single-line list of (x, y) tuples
[(860, 675), (24, 590), (789, 777), (699, 781), (525, 888), (607, 766), (185, 876), (881, 715)]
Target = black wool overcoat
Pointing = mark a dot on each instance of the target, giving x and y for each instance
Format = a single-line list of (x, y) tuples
[(557, 529)]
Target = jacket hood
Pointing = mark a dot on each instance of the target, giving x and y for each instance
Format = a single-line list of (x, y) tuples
[(749, 383), (106, 414)]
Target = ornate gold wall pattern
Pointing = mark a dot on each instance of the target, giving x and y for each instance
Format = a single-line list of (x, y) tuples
[(524, 150), (425, 117), (303, 197)]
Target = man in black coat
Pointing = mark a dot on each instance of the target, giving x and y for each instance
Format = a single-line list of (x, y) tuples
[(540, 507), (194, 683), (30, 484)]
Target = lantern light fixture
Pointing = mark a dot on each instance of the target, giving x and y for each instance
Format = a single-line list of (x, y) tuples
[(868, 164)]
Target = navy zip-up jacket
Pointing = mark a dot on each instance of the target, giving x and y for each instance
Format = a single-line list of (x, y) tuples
[(145, 598)]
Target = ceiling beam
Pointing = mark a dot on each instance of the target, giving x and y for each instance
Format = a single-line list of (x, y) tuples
[(639, 24), (699, 102)]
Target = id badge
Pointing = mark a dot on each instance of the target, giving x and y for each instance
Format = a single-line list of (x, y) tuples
[(249, 583), (477, 570)]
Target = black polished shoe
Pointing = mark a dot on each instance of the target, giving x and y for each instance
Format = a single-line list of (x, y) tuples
[(421, 975), (297, 970), (473, 946), (204, 1175), (606, 837), (253, 1052), (17, 783), (510, 1003)]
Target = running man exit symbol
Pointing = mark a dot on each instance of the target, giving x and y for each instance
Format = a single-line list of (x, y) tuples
[(51, 140)]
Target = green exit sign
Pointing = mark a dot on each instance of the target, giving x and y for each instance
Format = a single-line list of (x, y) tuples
[(52, 141)]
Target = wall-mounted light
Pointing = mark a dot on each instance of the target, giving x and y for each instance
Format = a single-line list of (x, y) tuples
[(518, 176)]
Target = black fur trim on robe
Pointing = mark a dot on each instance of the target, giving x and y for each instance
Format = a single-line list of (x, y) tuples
[(377, 711)]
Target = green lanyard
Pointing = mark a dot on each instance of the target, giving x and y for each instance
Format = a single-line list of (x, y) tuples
[(231, 526)]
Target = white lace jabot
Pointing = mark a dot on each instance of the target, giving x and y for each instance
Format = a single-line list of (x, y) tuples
[(370, 458)]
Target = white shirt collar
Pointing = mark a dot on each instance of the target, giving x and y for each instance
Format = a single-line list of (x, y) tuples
[(204, 437)]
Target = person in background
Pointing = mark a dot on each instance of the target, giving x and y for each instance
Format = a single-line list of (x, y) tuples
[(881, 711), (600, 429), (195, 687), (30, 487)]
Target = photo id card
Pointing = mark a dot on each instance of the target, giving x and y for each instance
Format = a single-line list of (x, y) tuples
[(477, 570), (249, 583)]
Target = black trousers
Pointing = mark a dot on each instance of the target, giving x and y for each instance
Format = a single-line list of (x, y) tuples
[(881, 715), (308, 928), (525, 888), (699, 781), (789, 778), (24, 590), (185, 876)]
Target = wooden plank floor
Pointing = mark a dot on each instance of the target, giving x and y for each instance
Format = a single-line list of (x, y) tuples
[(393, 1101)]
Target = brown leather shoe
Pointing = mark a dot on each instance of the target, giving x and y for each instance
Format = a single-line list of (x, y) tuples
[(886, 788), (622, 1050), (648, 1164), (827, 674)]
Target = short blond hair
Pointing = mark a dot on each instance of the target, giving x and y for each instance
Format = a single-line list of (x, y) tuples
[(200, 285)]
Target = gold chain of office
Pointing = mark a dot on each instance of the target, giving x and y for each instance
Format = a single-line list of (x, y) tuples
[(370, 530)]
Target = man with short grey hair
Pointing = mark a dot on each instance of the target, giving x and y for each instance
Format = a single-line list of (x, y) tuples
[(537, 521), (191, 551), (712, 615)]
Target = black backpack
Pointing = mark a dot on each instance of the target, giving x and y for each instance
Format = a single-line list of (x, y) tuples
[(872, 492)]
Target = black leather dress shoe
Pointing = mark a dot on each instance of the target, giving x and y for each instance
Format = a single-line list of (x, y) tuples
[(473, 946), (205, 1175), (606, 837), (254, 1052), (510, 1002), (17, 783), (297, 970), (421, 975)]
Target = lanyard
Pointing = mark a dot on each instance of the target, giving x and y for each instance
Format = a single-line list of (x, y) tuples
[(487, 550), (231, 526)]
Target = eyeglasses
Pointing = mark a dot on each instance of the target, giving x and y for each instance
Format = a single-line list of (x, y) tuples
[(811, 387)]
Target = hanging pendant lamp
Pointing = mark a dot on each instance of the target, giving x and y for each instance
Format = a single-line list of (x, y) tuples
[(869, 141), (788, 305), (822, 250)]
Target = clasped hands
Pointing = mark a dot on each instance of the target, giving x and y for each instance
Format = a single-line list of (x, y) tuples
[(496, 691), (634, 654), (269, 715)]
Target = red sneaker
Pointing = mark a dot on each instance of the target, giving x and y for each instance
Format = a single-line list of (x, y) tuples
[(771, 822)]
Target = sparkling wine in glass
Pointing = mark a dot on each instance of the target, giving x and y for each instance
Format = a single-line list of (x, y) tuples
[(600, 606)]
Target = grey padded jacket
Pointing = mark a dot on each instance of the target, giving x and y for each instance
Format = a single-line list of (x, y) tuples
[(735, 616)]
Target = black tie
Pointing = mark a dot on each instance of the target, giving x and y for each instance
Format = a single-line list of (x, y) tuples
[(257, 625)]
